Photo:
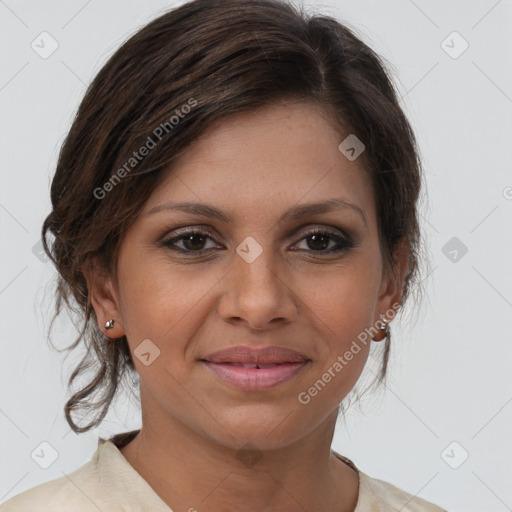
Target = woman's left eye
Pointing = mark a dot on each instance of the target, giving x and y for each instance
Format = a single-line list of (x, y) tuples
[(322, 238), (319, 240)]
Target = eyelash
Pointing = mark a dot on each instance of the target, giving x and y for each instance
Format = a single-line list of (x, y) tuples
[(344, 242)]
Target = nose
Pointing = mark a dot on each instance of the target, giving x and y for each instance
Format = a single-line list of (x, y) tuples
[(256, 294)]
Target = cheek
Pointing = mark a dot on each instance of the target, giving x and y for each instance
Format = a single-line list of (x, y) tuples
[(341, 308), (344, 300), (164, 302)]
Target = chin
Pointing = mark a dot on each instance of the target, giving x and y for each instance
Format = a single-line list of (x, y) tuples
[(261, 428)]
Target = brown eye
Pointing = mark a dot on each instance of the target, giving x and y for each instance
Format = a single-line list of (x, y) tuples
[(326, 242), (318, 242), (190, 241), (194, 242)]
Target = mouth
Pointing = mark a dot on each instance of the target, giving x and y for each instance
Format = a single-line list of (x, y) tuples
[(254, 365), (255, 368), (255, 376)]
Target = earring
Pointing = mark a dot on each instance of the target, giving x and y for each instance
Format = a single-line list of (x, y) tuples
[(109, 324), (384, 332)]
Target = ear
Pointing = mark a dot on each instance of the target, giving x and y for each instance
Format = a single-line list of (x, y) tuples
[(103, 296), (392, 284)]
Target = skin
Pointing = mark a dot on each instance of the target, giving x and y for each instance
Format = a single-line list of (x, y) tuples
[(254, 166)]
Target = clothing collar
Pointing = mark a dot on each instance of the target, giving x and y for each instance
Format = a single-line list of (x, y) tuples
[(122, 481)]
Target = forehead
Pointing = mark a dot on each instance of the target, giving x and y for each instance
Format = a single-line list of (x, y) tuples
[(282, 154)]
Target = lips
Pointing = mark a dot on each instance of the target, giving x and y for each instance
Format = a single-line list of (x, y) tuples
[(256, 357), (254, 365), (256, 369)]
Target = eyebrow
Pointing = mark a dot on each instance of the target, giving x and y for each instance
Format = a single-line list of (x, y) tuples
[(295, 213)]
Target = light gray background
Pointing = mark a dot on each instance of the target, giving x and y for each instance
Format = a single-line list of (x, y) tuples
[(450, 369)]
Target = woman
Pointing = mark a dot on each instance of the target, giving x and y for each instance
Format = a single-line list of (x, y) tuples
[(234, 217)]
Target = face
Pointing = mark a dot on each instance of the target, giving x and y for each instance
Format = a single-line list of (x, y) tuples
[(263, 271)]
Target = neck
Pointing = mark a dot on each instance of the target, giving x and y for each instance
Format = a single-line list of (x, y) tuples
[(303, 475)]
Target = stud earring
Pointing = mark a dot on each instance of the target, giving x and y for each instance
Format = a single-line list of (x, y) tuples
[(109, 324), (384, 332)]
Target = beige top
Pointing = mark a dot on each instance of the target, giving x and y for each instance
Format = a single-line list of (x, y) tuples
[(108, 483)]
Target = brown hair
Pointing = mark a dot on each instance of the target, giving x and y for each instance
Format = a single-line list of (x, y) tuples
[(218, 58)]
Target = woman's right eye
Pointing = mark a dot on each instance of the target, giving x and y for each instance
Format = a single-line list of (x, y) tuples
[(192, 240)]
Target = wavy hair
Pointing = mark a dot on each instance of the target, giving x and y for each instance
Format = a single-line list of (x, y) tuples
[(229, 56)]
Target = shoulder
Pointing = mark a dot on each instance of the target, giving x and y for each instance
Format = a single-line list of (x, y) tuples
[(378, 495), (79, 490)]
